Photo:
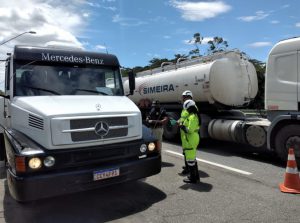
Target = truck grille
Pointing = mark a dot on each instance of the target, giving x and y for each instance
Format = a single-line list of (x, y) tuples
[(85, 129), (35, 122)]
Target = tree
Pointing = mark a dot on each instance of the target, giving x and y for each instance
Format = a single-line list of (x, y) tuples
[(217, 44), (156, 62), (197, 40), (177, 56), (126, 70)]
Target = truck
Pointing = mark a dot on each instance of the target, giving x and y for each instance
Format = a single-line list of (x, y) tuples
[(67, 125), (223, 84)]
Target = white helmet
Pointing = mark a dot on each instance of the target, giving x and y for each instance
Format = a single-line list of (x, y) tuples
[(187, 93), (188, 103)]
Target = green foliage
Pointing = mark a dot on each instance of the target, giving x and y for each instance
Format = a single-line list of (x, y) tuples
[(177, 56), (156, 62), (217, 44), (197, 40), (126, 70)]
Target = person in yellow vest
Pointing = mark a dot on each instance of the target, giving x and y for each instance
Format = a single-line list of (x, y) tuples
[(186, 95), (190, 140)]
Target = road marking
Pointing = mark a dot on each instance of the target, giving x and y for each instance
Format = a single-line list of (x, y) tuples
[(214, 164)]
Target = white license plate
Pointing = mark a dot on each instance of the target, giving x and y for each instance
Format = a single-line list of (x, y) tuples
[(104, 174)]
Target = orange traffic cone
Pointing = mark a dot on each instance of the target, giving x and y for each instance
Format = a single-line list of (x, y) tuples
[(291, 180)]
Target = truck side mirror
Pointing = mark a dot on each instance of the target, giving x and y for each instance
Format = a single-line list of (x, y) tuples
[(131, 78), (2, 94)]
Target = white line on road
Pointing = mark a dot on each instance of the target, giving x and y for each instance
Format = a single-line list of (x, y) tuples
[(214, 164)]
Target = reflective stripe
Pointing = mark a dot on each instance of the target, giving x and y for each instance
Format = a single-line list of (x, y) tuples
[(292, 170), (191, 162), (187, 148), (212, 163), (291, 157)]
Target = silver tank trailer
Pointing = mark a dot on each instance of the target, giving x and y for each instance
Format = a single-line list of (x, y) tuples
[(226, 78)]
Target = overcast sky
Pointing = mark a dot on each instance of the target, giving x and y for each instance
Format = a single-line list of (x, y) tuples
[(138, 30)]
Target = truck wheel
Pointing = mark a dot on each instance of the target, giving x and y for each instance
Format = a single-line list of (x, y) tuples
[(288, 137), (171, 131)]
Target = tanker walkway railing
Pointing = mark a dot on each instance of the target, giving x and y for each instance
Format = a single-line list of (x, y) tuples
[(188, 62)]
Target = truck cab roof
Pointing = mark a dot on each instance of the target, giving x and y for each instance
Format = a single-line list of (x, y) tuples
[(57, 55), (287, 45)]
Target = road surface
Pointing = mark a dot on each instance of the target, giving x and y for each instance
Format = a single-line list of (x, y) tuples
[(237, 185)]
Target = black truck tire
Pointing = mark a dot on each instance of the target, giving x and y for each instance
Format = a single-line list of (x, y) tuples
[(288, 137)]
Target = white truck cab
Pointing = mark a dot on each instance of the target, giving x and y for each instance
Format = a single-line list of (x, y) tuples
[(67, 125)]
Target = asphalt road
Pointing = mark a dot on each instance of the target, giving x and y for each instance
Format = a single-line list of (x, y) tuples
[(237, 185)]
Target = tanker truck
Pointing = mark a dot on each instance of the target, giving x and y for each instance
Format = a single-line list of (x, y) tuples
[(223, 84)]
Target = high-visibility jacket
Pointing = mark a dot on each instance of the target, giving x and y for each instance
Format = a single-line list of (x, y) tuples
[(184, 114), (191, 139)]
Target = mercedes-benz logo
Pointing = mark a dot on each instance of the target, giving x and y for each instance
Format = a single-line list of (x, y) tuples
[(101, 128), (98, 107)]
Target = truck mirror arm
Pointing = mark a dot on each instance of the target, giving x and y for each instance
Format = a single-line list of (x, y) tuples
[(5, 96), (131, 78)]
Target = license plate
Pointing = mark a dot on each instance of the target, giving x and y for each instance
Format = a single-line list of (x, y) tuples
[(104, 174)]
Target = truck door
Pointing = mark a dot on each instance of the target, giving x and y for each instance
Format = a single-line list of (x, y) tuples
[(8, 92), (282, 77), (298, 81)]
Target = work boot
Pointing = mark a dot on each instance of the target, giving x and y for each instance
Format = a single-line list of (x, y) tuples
[(197, 172), (189, 181), (186, 167), (185, 171), (194, 175)]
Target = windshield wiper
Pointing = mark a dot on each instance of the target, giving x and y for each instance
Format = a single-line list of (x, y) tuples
[(42, 89), (92, 91)]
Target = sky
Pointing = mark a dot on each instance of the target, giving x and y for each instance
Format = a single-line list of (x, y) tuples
[(137, 31)]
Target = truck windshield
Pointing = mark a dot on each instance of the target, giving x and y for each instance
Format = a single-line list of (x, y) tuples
[(35, 79)]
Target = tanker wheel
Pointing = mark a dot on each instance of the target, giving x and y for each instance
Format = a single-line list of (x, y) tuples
[(171, 131), (288, 137)]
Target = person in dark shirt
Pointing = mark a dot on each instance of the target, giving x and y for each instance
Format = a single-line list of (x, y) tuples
[(156, 119)]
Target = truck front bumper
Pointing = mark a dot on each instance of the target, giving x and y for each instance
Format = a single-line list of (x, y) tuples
[(35, 187)]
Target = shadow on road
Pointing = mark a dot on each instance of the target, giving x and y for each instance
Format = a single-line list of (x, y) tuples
[(200, 187), (166, 164), (201, 174), (99, 205)]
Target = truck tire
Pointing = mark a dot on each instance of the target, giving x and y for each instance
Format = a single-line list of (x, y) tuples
[(171, 131), (288, 137)]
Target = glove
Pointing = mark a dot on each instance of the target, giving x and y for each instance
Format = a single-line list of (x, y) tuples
[(184, 128), (148, 120), (173, 122)]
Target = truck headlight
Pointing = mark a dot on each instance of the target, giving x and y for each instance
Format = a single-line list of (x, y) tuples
[(151, 146), (143, 148), (35, 163), (49, 161)]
